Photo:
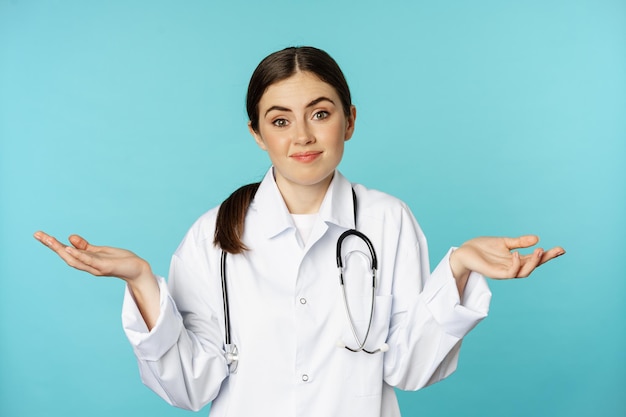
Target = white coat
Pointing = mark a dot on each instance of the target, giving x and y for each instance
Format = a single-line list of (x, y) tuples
[(287, 313)]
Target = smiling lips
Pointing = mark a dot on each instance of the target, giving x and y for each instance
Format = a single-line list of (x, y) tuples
[(309, 156)]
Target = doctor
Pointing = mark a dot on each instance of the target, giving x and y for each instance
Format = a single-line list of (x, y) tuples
[(301, 337)]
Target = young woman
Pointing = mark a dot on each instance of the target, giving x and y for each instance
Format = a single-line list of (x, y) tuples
[(311, 339)]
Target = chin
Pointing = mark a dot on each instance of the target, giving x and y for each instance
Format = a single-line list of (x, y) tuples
[(312, 180)]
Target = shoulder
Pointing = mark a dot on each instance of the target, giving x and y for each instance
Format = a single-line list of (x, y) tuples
[(390, 224), (381, 210), (374, 202), (201, 232)]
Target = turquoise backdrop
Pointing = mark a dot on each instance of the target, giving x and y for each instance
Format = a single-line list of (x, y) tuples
[(124, 121)]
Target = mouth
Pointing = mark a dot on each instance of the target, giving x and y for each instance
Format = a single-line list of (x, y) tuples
[(308, 156)]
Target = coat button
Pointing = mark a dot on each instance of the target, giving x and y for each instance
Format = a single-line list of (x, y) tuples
[(305, 377), (303, 301)]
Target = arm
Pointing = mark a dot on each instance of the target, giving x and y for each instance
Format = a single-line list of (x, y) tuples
[(179, 351), (429, 319), (453, 300), (182, 357)]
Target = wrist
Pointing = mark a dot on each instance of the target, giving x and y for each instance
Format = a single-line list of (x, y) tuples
[(145, 283), (459, 271), (147, 295)]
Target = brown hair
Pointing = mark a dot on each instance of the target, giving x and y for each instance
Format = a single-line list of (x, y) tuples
[(274, 68)]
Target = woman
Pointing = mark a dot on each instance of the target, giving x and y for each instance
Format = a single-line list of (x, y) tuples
[(305, 344)]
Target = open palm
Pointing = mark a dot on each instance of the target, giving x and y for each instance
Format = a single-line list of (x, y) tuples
[(96, 260), (497, 257)]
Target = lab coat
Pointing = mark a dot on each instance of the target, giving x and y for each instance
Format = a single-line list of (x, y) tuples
[(288, 317)]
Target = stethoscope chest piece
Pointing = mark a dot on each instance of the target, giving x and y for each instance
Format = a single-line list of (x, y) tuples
[(232, 357)]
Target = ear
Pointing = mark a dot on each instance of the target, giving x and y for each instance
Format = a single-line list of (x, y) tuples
[(350, 121), (257, 137)]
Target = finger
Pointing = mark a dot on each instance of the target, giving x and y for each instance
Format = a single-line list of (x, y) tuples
[(524, 241), (64, 254), (529, 263), (41, 236), (67, 257), (515, 266), (551, 254), (83, 261), (49, 241), (79, 242)]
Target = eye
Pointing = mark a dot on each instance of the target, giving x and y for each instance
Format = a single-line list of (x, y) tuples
[(321, 115), (280, 122)]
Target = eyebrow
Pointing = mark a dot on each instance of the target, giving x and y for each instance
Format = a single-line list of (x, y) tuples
[(311, 104)]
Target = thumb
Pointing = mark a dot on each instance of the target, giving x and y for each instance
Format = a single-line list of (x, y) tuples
[(78, 242), (521, 241)]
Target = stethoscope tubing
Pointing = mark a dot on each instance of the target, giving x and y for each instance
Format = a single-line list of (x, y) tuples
[(346, 304), (225, 299), (232, 354), (370, 246)]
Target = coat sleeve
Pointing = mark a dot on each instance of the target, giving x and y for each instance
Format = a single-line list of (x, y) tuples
[(428, 320), (182, 357)]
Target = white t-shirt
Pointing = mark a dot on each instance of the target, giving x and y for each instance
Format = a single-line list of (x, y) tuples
[(304, 225)]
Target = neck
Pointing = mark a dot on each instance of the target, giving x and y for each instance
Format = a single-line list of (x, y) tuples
[(303, 199)]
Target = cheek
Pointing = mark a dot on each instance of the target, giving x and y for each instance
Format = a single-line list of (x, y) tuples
[(266, 140), (275, 143), (341, 135)]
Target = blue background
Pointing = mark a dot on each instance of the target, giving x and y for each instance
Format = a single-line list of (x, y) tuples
[(124, 121)]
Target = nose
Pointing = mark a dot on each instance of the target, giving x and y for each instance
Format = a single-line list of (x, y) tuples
[(304, 133)]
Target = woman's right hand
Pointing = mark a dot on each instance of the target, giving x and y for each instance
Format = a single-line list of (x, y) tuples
[(112, 262), (98, 260)]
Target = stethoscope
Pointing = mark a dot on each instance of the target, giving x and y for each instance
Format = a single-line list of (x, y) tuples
[(231, 350)]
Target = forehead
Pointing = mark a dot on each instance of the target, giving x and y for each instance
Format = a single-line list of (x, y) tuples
[(300, 88)]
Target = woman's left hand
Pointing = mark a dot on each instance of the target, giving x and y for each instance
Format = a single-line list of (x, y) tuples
[(493, 257)]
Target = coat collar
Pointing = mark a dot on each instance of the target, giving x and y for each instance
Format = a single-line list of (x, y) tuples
[(273, 215)]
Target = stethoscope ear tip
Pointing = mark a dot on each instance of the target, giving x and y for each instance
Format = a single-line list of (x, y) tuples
[(384, 348), (340, 344)]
